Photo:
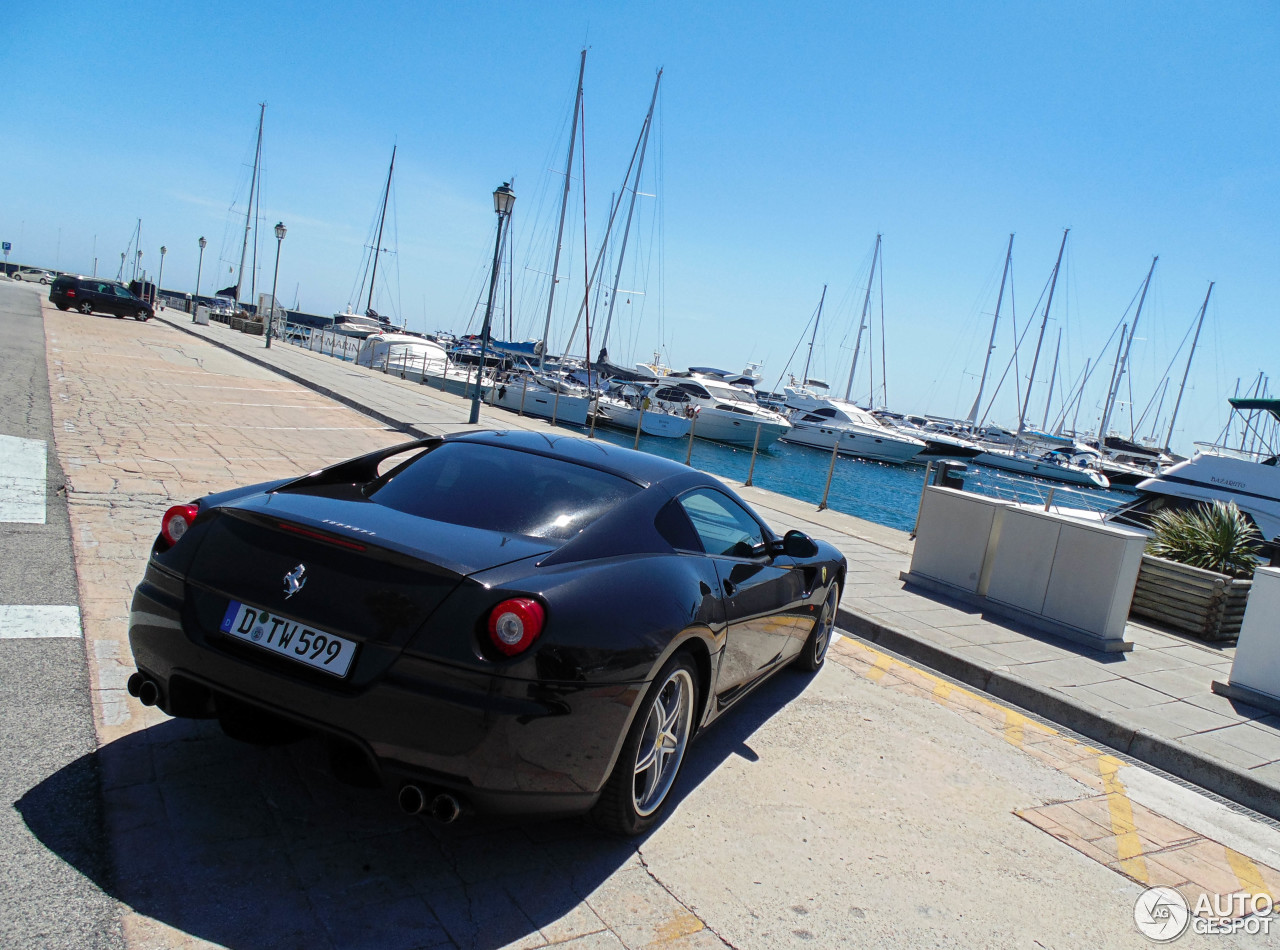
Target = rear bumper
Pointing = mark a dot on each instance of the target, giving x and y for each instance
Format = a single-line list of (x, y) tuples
[(502, 745)]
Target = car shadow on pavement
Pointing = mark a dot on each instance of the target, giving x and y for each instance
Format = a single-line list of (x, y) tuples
[(253, 848)]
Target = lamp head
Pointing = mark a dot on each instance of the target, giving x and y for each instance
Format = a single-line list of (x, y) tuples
[(280, 230), (203, 244), (503, 198)]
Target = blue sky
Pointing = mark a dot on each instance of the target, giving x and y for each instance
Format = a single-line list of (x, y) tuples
[(786, 138)]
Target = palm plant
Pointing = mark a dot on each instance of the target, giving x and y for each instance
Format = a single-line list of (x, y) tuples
[(1216, 537)]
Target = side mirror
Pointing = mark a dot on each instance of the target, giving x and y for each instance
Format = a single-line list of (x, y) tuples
[(797, 544)]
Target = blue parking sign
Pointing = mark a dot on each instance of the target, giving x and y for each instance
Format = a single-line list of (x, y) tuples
[(7, 247)]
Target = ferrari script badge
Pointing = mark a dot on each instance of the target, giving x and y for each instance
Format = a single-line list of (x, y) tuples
[(294, 580)]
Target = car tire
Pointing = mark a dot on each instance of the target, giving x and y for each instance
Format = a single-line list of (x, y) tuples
[(86, 308), (142, 315), (649, 764), (814, 652)]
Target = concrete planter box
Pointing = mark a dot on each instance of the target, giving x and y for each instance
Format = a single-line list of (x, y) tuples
[(252, 327), (1205, 604), (1255, 671)]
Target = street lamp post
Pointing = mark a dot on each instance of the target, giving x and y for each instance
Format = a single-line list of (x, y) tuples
[(137, 265), (271, 315), (199, 267), (160, 277), (503, 199)]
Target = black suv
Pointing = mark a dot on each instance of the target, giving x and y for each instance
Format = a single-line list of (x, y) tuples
[(89, 294)]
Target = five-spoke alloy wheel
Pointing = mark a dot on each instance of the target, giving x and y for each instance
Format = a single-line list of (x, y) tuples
[(653, 752)]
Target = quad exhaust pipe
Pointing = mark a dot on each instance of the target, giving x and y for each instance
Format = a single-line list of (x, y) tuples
[(144, 689), (442, 806)]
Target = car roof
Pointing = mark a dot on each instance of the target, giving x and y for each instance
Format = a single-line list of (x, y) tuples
[(635, 466)]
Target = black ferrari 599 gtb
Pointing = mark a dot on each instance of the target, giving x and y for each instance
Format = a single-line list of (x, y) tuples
[(494, 621)]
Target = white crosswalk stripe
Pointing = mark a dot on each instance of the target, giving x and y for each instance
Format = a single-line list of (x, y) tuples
[(31, 622), (22, 480)]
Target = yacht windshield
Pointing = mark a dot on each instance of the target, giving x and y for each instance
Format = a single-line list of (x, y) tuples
[(729, 393)]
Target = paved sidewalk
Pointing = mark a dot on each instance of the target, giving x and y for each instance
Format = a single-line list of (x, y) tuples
[(872, 804), (1154, 703)]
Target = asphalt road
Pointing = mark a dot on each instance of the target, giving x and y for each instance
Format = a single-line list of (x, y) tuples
[(46, 721)]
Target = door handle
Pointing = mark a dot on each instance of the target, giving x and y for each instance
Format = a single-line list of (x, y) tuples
[(729, 588)]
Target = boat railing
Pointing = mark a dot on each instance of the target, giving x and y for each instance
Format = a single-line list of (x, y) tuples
[(325, 342), (1024, 491), (1226, 451)]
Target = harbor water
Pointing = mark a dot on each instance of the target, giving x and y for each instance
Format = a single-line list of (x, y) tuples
[(875, 491)]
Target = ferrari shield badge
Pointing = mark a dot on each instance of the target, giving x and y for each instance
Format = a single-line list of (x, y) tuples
[(295, 579), (824, 575)]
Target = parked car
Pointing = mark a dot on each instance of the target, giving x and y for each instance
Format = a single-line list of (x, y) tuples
[(32, 274), (499, 621), (94, 295)]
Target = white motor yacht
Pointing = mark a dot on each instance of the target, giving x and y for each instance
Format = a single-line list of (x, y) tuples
[(821, 421), (1218, 472), (721, 412), (412, 357)]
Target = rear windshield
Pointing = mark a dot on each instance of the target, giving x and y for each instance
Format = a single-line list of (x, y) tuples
[(482, 486)]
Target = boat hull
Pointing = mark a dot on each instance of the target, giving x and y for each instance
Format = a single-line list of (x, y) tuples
[(664, 425), (860, 445), (734, 428), (1039, 468), (536, 400)]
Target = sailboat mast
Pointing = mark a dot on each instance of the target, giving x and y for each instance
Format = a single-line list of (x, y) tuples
[(248, 215), (991, 344), (866, 302), (1168, 440), (626, 231), (1075, 420), (1112, 385), (382, 219), (1044, 322), (1123, 356), (564, 206), (1053, 378), (804, 380)]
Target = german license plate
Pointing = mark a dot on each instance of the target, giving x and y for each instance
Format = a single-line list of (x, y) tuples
[(278, 634)]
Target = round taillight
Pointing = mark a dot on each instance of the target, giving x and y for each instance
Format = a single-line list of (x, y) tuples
[(176, 522), (514, 624)]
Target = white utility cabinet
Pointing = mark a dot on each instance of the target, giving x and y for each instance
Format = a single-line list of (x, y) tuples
[(202, 316), (1255, 671), (955, 536)]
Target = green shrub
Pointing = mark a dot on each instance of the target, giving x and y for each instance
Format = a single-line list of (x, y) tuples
[(1217, 537)]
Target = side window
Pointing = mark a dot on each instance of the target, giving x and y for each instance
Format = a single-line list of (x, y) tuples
[(723, 526)]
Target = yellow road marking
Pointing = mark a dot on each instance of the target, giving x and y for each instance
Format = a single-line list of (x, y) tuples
[(882, 665), (1246, 872), (1013, 723)]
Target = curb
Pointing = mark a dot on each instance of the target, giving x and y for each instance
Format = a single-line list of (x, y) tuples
[(347, 401), (1199, 768)]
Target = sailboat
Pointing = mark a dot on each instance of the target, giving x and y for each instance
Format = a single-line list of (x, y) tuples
[(821, 421), (250, 224), (1062, 463), (361, 325)]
